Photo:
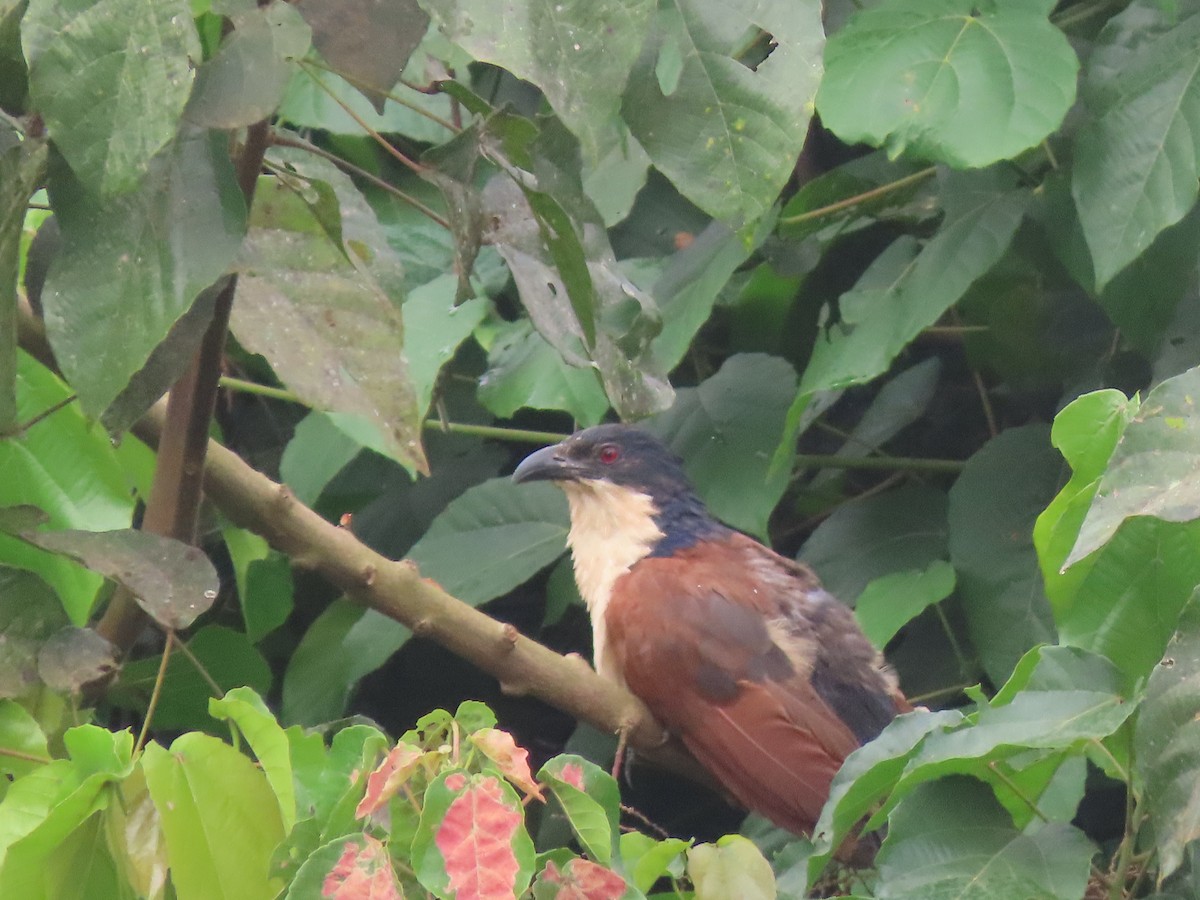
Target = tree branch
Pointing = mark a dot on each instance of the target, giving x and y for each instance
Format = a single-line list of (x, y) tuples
[(397, 590)]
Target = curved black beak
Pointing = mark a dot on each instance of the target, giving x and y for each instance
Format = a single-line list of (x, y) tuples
[(548, 464)]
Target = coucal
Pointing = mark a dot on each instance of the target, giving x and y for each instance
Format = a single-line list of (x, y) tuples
[(738, 651)]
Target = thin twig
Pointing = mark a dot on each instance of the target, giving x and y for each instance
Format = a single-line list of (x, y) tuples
[(217, 690), (362, 123), (23, 756), (155, 693), (865, 197), (993, 765), (395, 98), (44, 414), (283, 139)]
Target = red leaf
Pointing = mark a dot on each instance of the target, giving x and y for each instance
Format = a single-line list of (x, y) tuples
[(475, 839), (362, 872), (513, 761), (583, 879), (572, 774), (397, 767)]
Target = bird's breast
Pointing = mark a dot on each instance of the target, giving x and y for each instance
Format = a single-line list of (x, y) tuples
[(612, 528)]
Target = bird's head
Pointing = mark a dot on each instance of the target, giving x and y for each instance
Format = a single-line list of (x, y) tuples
[(621, 473)]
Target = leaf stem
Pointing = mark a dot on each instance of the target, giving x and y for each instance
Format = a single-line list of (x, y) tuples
[(1116, 889), (44, 414), (865, 197), (282, 139), (191, 657), (942, 692), (395, 98), (1099, 744), (886, 463), (953, 641), (362, 123), (994, 767), (25, 757), (159, 680)]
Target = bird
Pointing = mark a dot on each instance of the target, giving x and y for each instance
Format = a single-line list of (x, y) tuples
[(737, 651)]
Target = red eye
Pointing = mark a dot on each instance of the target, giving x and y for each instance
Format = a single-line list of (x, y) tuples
[(609, 454)]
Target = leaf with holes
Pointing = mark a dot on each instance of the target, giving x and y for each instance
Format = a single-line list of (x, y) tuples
[(950, 80), (726, 132), (472, 839)]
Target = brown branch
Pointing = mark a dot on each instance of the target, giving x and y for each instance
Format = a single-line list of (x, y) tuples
[(397, 590), (176, 491)]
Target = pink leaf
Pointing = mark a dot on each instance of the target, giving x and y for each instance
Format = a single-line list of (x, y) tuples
[(583, 879), (513, 761), (397, 767), (476, 840), (572, 774), (362, 872)]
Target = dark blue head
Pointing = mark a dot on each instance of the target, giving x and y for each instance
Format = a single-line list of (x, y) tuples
[(634, 459)]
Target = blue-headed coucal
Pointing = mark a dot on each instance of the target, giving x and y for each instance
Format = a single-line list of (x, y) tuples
[(765, 677)]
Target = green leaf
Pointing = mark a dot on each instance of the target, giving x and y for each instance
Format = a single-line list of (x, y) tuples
[(647, 860), (509, 532), (1154, 470), (590, 798), (22, 168), (319, 298), (435, 328), (111, 78), (244, 82), (952, 839), (318, 450), (993, 506), (30, 614), (525, 371), (22, 737), (345, 643), (227, 656), (131, 266), (867, 539), (1137, 154), (1167, 744), (732, 867), (219, 815), (368, 41), (725, 430), (67, 468), (578, 52), (171, 581), (959, 82), (246, 710), (889, 602), (906, 290), (727, 134)]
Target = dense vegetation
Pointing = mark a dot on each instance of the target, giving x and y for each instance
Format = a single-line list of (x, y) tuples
[(911, 286)]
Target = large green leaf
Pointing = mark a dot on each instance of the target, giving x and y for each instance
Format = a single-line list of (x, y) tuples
[(245, 80), (220, 818), (110, 77), (889, 602), (1154, 470), (67, 468), (993, 506), (509, 532), (1141, 578), (246, 710), (579, 52), (952, 839), (726, 429), (906, 290), (726, 134), (132, 265), (320, 298), (22, 737), (345, 643), (435, 327), (1167, 744), (864, 540), (960, 82), (1138, 153)]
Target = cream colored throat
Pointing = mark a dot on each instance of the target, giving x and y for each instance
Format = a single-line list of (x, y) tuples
[(612, 527)]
